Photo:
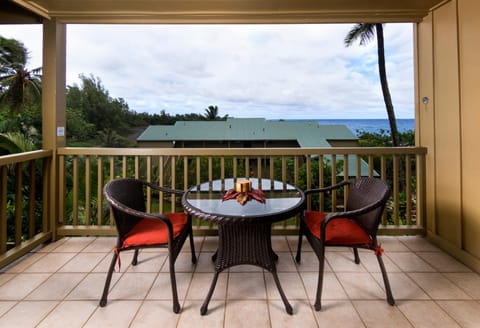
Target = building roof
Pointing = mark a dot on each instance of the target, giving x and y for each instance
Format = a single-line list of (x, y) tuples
[(308, 134)]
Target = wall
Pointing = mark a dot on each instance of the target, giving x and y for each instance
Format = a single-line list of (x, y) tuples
[(448, 73)]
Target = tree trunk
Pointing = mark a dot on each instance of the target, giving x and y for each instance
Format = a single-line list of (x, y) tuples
[(383, 81)]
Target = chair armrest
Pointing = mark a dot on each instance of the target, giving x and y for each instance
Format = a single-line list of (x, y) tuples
[(164, 189), (327, 189)]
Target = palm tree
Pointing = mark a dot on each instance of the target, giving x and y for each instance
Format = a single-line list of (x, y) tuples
[(17, 83), (366, 32), (211, 113)]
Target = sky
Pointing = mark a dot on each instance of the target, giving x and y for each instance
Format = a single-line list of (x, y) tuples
[(270, 71)]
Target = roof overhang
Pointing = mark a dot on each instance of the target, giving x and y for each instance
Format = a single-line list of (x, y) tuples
[(228, 11)]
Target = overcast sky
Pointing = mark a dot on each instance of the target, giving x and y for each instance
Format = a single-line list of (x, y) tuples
[(270, 71)]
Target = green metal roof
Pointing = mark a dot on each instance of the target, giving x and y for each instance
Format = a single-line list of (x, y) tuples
[(306, 133)]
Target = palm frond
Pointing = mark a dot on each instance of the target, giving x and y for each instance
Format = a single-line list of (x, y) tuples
[(364, 32)]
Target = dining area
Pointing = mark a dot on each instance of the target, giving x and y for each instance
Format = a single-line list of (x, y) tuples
[(246, 275)]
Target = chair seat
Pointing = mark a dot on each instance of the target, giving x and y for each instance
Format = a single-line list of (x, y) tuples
[(339, 231), (152, 232)]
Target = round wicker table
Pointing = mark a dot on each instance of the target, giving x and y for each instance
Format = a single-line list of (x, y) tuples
[(244, 230)]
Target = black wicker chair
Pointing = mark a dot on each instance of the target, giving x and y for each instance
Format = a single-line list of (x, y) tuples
[(138, 229), (356, 227)]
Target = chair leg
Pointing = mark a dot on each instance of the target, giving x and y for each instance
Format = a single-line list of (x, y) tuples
[(321, 266), (173, 282), (103, 300), (357, 258), (135, 257), (298, 257), (192, 247), (388, 290)]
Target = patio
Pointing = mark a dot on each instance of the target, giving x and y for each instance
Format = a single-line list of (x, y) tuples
[(60, 284)]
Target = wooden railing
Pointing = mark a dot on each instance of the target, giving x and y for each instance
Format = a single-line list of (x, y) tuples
[(81, 173), (24, 199)]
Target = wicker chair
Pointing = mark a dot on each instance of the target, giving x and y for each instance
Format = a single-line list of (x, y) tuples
[(138, 229), (356, 227)]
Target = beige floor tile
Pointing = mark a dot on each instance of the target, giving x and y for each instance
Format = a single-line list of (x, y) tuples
[(409, 262), (332, 289), (418, 244), (190, 316), (438, 287), (117, 314), (245, 268), (344, 262), (51, 262), (83, 262), (5, 306), (56, 287), (392, 244), (210, 244), (293, 244), (246, 313), (280, 244), (430, 289), (200, 286), (376, 313), (132, 286), (291, 283), (360, 286), (205, 263), (466, 313), (50, 247), (443, 262), (338, 314), (22, 285), (246, 285), (286, 262), (426, 314), (156, 314), (302, 316), (468, 282), (21, 264), (402, 286), (74, 244), (27, 314), (370, 262), (77, 313), (150, 262), (162, 288), (91, 288), (309, 262), (101, 245), (183, 263), (122, 264), (4, 277)]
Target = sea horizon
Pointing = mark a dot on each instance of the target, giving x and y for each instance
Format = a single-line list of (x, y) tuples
[(373, 125)]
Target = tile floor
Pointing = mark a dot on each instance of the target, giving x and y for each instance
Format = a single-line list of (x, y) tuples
[(59, 285)]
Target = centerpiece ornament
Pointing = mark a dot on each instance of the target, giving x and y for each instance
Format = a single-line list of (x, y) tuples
[(243, 192)]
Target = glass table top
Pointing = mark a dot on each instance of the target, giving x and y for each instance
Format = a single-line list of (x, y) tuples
[(279, 198)]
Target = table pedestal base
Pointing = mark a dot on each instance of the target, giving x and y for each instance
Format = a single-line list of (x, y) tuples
[(245, 243)]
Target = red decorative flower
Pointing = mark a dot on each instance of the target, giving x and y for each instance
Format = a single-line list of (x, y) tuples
[(243, 197)]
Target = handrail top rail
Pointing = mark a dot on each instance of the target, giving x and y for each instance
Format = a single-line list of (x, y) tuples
[(241, 151), (24, 157)]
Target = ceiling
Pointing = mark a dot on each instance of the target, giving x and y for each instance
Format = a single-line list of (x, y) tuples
[(216, 11)]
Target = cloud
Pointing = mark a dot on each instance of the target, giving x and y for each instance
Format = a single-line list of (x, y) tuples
[(271, 71)]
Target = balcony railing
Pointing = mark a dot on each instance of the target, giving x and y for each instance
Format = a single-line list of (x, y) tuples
[(33, 212)]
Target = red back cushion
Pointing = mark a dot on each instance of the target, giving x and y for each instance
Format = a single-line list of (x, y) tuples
[(151, 231), (339, 231)]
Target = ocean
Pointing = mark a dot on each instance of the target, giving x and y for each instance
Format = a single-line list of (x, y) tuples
[(371, 125)]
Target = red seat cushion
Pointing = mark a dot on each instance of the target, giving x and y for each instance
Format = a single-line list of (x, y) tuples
[(151, 231), (339, 231)]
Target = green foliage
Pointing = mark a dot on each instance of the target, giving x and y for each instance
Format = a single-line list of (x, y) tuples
[(383, 138), (19, 86)]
